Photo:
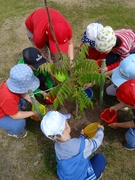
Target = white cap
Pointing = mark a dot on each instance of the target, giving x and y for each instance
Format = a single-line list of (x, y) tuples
[(91, 30), (53, 123)]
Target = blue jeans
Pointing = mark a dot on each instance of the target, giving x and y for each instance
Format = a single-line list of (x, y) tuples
[(13, 126), (98, 163)]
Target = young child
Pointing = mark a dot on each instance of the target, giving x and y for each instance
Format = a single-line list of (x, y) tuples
[(40, 34), (33, 58), (12, 91), (90, 36), (122, 73), (72, 154), (126, 95), (120, 42)]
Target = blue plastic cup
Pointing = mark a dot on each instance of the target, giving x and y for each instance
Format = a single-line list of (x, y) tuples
[(89, 93)]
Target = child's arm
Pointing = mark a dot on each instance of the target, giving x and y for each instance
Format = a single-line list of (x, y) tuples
[(113, 66), (24, 114), (92, 144), (129, 124), (118, 106)]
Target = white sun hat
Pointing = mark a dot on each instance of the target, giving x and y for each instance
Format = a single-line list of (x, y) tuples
[(105, 39), (92, 29), (54, 123)]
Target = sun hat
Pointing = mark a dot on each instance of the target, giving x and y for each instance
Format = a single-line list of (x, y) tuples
[(92, 29), (53, 123), (22, 79), (105, 39), (125, 70), (33, 57), (126, 92), (61, 76), (85, 39), (62, 31)]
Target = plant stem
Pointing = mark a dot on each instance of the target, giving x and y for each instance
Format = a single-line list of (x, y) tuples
[(52, 29), (35, 103), (102, 82)]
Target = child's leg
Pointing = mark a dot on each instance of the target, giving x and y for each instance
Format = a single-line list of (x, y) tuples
[(98, 163), (12, 126), (130, 137), (111, 90)]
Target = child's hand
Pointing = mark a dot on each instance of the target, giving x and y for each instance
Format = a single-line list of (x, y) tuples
[(113, 125), (101, 126), (86, 86), (113, 108), (43, 93), (82, 131)]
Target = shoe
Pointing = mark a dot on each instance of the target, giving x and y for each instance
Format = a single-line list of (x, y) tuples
[(127, 146), (22, 134)]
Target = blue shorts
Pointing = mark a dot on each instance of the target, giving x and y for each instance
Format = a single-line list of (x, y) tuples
[(98, 163)]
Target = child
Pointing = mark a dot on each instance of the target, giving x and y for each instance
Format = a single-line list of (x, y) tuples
[(40, 34), (90, 36), (122, 73), (120, 42), (126, 95), (33, 58), (12, 91), (72, 154)]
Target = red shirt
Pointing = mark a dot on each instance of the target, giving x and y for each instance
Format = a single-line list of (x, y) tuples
[(37, 23), (8, 101)]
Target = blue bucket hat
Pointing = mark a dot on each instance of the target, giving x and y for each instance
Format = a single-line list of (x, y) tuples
[(22, 79), (125, 71)]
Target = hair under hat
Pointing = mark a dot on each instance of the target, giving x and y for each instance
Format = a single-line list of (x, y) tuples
[(105, 39), (126, 92), (22, 79), (53, 123)]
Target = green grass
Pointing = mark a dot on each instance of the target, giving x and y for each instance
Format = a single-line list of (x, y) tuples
[(116, 13)]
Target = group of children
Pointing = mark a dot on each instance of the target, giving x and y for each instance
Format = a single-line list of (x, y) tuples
[(72, 154)]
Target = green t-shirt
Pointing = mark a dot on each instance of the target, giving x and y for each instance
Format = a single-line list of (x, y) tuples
[(48, 80)]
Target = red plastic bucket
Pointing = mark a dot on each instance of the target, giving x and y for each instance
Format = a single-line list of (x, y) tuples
[(109, 116)]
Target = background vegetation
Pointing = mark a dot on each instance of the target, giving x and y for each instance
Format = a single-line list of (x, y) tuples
[(33, 157)]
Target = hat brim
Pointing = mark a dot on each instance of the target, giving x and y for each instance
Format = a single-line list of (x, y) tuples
[(39, 63), (33, 84), (63, 47), (116, 77)]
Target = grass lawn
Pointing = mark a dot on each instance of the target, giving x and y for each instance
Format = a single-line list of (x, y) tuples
[(33, 157)]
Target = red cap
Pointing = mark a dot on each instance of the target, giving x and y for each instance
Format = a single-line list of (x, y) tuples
[(63, 33), (126, 92)]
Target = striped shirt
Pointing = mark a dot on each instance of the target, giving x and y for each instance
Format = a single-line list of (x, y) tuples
[(127, 37)]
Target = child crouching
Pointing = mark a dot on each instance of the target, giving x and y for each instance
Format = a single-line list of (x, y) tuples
[(72, 154)]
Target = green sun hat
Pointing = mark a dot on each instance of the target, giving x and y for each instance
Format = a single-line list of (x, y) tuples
[(60, 76)]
